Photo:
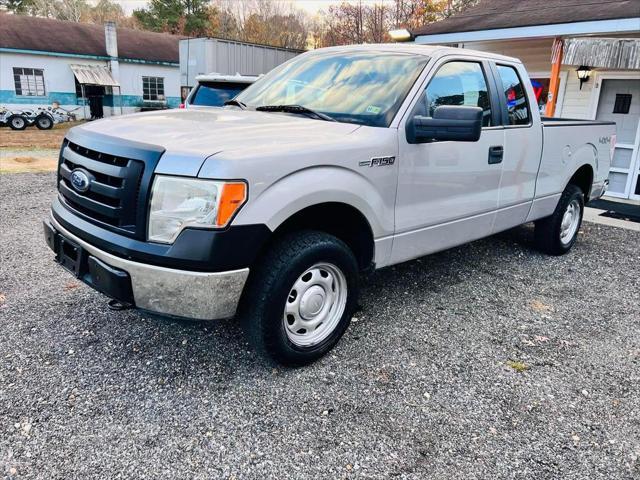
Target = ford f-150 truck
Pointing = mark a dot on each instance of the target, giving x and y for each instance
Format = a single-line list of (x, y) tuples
[(337, 162)]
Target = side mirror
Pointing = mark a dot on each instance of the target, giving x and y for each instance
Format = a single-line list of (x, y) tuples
[(456, 123)]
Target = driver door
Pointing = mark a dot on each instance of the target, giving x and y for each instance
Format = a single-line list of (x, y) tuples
[(448, 191)]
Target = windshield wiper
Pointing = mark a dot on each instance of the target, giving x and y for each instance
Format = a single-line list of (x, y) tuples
[(236, 103), (295, 109)]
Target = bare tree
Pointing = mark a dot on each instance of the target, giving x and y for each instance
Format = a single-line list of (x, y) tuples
[(104, 11), (270, 22), (72, 10), (454, 7), (377, 23)]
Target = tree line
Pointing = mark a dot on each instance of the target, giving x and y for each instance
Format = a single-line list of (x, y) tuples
[(269, 22)]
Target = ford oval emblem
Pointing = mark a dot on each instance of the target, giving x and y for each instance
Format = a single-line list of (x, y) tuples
[(80, 180)]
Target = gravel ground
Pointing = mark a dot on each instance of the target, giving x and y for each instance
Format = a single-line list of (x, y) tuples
[(485, 361)]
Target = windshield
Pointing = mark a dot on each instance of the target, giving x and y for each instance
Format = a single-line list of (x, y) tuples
[(363, 87), (214, 94)]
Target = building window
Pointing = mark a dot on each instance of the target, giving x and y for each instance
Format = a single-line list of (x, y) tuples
[(622, 103), (29, 81), (153, 88)]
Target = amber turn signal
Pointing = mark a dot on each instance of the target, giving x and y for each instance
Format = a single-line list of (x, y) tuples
[(232, 198)]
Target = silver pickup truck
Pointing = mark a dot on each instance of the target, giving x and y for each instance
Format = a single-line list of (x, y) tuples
[(338, 162)]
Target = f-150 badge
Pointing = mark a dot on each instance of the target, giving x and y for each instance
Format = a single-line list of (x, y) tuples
[(378, 162)]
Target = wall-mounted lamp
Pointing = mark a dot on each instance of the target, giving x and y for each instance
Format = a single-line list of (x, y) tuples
[(583, 74), (401, 35)]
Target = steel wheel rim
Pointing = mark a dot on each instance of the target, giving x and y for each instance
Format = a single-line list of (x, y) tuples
[(315, 304), (570, 222), (43, 122), (18, 122)]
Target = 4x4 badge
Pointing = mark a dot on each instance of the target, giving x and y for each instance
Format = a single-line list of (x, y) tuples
[(378, 162)]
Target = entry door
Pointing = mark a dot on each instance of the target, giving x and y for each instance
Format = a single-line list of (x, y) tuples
[(448, 191), (620, 103)]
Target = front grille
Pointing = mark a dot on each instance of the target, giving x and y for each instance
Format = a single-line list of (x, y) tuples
[(112, 197)]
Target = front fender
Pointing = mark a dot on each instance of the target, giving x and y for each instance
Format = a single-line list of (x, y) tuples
[(316, 185)]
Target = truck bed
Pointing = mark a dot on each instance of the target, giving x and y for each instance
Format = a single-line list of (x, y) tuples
[(564, 150), (570, 122)]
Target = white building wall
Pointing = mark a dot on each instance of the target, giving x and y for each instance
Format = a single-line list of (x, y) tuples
[(131, 82), (58, 80), (535, 54), (577, 102), (60, 84)]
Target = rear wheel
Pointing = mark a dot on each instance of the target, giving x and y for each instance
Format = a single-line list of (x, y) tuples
[(300, 297), (17, 122), (556, 234)]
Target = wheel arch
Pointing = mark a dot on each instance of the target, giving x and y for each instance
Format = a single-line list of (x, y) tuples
[(583, 178), (339, 219), (332, 199)]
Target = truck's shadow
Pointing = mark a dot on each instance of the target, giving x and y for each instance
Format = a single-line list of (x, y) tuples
[(195, 345), (218, 348)]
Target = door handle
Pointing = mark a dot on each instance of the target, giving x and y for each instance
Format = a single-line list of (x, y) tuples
[(495, 154)]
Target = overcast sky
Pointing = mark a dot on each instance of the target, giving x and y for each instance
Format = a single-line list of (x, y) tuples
[(311, 6)]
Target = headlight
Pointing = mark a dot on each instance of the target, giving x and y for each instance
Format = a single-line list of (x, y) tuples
[(178, 202)]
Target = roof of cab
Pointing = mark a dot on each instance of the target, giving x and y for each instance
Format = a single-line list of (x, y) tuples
[(415, 48), (217, 77)]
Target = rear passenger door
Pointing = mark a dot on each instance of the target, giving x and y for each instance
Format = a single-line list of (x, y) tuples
[(448, 190), (522, 145)]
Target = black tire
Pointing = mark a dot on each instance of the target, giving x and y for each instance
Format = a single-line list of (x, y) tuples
[(270, 283), (548, 231), (44, 122), (17, 122)]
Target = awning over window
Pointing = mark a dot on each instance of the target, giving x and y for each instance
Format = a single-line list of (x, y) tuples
[(93, 75), (616, 53)]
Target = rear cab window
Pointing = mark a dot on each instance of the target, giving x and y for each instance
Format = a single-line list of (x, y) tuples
[(214, 94), (515, 96)]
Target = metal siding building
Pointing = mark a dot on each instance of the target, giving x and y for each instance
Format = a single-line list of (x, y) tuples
[(200, 56)]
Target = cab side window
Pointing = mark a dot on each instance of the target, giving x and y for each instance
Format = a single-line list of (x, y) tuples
[(515, 95), (459, 83)]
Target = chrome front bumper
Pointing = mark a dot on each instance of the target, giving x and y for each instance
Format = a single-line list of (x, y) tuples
[(167, 291)]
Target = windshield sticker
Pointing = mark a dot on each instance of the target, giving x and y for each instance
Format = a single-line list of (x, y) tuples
[(373, 109)]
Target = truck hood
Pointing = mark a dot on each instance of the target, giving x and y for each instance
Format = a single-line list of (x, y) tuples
[(189, 136)]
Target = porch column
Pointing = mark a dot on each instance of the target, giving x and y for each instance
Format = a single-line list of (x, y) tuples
[(554, 82)]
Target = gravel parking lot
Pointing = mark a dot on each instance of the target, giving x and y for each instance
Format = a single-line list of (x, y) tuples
[(486, 361)]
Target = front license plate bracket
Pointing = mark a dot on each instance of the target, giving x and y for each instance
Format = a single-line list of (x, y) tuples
[(70, 255)]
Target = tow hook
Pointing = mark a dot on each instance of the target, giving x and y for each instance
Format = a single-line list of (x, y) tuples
[(118, 306)]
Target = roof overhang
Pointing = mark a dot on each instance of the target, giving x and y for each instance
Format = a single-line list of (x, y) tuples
[(93, 75), (622, 25), (613, 53)]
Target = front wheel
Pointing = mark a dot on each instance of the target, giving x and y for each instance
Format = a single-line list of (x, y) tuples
[(556, 234), (300, 297)]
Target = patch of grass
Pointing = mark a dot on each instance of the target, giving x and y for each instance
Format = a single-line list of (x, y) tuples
[(538, 306), (33, 139), (518, 366), (26, 164)]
